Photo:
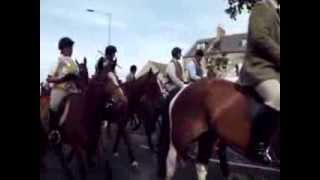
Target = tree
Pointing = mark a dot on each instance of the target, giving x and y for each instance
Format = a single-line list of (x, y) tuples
[(237, 6)]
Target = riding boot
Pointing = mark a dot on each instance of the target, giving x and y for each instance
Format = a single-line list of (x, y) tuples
[(262, 130), (54, 134)]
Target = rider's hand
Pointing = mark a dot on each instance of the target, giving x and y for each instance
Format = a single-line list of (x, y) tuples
[(50, 79), (185, 85)]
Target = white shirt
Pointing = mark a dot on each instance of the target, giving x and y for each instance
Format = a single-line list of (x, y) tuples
[(63, 63), (171, 72), (192, 72)]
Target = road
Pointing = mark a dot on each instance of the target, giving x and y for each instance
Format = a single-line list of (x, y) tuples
[(240, 168)]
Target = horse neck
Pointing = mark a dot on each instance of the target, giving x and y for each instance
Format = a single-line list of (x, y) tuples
[(133, 89)]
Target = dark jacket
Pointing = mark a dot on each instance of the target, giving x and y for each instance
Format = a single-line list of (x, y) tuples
[(262, 59)]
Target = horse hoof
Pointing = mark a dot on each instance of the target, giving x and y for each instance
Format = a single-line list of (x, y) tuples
[(116, 154), (134, 164)]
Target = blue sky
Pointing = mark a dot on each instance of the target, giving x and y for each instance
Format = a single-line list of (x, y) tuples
[(142, 30)]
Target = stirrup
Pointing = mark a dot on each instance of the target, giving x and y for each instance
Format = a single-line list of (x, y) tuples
[(54, 137)]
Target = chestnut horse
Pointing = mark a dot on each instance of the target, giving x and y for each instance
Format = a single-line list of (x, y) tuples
[(83, 119), (82, 81), (143, 97), (210, 111)]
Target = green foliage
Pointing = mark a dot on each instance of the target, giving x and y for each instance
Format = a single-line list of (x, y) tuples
[(236, 7)]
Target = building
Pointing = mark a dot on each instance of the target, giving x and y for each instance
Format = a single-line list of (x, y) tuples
[(156, 67), (233, 45)]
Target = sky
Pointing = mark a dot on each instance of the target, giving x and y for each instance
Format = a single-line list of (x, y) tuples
[(141, 30)]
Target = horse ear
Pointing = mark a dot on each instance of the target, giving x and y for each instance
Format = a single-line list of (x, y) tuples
[(85, 60), (150, 72), (77, 62)]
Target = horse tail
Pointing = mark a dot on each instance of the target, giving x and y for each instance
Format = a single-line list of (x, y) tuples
[(171, 161), (223, 159)]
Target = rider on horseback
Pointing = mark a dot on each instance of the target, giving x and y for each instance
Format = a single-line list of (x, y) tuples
[(131, 76), (174, 72), (194, 69), (65, 67), (108, 64), (108, 61), (261, 68)]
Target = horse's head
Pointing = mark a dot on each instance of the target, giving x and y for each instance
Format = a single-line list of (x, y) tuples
[(150, 87), (109, 86), (83, 70), (83, 73)]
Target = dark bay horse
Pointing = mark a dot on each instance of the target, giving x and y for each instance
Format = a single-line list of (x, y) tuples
[(81, 129), (83, 73), (143, 97), (216, 111), (83, 119)]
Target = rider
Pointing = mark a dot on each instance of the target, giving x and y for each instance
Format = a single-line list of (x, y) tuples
[(109, 60), (65, 66), (194, 69), (175, 82), (174, 72), (221, 64), (131, 76), (261, 68)]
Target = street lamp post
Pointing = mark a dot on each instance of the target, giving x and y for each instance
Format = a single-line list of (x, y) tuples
[(109, 18)]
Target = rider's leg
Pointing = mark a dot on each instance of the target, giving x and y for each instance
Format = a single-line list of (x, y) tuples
[(269, 90), (56, 98)]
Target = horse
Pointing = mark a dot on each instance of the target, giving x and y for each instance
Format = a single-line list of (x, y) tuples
[(83, 73), (82, 114), (143, 96), (216, 112), (81, 128), (81, 80)]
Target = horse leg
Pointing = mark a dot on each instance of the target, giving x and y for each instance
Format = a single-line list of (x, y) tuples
[(222, 153), (127, 142), (148, 132), (109, 129), (58, 151), (205, 144), (149, 137), (81, 156), (171, 162), (116, 144), (108, 171), (163, 143), (70, 156), (92, 148)]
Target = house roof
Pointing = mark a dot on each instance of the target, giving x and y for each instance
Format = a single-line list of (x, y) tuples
[(152, 64), (229, 44)]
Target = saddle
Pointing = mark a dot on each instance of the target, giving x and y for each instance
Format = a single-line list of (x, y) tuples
[(64, 107), (265, 120), (257, 105)]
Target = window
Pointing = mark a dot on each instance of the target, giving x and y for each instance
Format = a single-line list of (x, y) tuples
[(243, 43), (201, 46)]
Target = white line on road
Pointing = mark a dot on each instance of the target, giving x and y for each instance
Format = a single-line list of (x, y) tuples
[(144, 146), (234, 163), (247, 165)]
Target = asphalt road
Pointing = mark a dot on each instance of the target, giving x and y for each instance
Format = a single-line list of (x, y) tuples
[(240, 168)]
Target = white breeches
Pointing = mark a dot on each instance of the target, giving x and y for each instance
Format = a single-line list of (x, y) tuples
[(56, 97), (269, 90)]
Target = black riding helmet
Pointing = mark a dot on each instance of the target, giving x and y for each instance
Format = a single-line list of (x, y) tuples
[(200, 53), (110, 50), (65, 42), (175, 51)]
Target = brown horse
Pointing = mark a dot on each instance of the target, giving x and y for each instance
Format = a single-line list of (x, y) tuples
[(83, 73), (211, 110), (83, 120), (143, 96)]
